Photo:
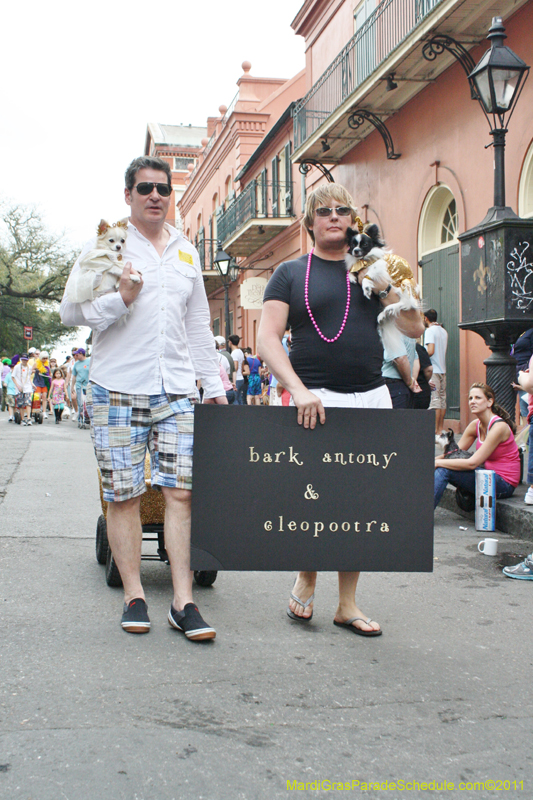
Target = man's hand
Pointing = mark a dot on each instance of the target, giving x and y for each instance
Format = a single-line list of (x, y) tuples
[(309, 407), (415, 387), (130, 284), (221, 400)]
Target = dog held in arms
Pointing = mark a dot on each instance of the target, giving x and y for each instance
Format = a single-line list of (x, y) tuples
[(366, 249), (101, 268)]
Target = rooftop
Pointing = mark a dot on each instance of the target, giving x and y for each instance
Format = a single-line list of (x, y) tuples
[(175, 135)]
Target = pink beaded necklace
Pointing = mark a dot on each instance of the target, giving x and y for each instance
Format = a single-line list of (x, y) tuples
[(313, 320)]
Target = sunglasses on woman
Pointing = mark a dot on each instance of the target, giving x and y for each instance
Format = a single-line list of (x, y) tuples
[(163, 189), (342, 211)]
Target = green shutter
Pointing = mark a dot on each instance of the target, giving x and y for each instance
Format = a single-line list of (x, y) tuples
[(441, 291)]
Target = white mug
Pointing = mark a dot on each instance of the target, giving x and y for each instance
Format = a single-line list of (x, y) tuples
[(489, 548)]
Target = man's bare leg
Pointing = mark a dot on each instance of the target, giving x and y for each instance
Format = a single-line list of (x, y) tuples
[(303, 588), (124, 532), (347, 609), (178, 547), (178, 543), (440, 413)]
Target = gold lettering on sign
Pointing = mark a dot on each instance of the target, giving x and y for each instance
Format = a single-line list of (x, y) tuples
[(318, 527), (358, 458), (266, 458)]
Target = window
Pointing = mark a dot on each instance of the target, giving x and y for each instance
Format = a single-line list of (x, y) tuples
[(449, 224), (439, 222), (262, 194), (181, 164), (275, 186), (216, 327), (230, 194)]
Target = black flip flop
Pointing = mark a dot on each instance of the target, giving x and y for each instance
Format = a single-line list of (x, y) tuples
[(358, 631)]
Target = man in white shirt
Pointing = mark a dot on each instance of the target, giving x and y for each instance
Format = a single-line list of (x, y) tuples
[(143, 385), (436, 342), (238, 358)]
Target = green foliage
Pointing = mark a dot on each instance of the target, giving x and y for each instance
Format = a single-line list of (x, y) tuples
[(34, 267)]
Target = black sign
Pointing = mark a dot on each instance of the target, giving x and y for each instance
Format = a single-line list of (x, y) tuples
[(353, 494)]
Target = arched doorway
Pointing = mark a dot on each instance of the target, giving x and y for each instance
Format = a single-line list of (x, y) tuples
[(440, 278), (525, 189)]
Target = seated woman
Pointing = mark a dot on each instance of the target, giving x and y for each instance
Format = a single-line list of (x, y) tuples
[(496, 449)]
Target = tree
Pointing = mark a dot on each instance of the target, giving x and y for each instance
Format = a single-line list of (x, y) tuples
[(34, 267)]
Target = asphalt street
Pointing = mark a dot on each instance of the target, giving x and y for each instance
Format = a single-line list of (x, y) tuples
[(87, 711)]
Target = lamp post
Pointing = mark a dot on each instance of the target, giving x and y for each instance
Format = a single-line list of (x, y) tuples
[(498, 80), (228, 274), (497, 297)]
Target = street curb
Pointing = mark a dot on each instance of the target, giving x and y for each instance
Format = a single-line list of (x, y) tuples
[(512, 515)]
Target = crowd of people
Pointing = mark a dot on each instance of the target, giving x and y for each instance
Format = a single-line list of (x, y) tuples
[(34, 383)]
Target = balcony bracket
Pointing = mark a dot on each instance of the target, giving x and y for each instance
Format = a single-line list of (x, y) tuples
[(362, 115), (307, 165), (439, 43)]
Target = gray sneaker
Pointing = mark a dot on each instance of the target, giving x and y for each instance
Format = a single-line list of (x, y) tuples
[(521, 571)]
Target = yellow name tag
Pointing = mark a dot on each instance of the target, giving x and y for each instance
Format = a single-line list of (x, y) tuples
[(186, 257)]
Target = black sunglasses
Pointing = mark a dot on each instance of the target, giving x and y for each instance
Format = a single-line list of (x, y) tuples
[(342, 211), (164, 189)]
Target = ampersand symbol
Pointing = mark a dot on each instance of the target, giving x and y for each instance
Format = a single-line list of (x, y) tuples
[(310, 494)]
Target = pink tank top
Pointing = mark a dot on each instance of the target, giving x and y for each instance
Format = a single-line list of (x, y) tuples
[(505, 460)]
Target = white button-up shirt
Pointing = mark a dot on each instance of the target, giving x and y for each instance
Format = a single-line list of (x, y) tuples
[(166, 339)]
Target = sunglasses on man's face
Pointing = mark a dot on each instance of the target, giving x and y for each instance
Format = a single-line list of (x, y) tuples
[(147, 188), (341, 211)]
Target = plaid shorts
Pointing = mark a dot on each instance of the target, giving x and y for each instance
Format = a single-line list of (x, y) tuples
[(122, 425)]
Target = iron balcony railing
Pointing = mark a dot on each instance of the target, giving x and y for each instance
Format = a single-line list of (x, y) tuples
[(207, 250), (383, 31), (260, 199)]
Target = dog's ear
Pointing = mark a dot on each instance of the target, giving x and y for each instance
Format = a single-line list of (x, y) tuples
[(102, 227), (350, 233), (373, 231)]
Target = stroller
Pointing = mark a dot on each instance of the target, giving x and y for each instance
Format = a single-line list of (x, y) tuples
[(36, 412), (152, 520)]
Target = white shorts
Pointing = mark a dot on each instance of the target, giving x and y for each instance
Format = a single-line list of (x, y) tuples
[(374, 398)]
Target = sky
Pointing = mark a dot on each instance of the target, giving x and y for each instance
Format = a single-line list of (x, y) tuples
[(81, 80)]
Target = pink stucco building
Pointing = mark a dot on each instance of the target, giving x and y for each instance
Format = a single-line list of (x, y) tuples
[(424, 178)]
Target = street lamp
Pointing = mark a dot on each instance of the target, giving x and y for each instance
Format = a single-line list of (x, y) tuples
[(498, 80), (497, 301), (228, 274)]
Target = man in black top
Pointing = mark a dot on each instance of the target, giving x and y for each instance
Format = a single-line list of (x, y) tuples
[(422, 399), (336, 352)]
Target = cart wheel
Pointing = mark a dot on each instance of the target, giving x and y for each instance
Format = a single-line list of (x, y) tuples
[(18, 418), (102, 544), (38, 418), (205, 578), (112, 575)]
